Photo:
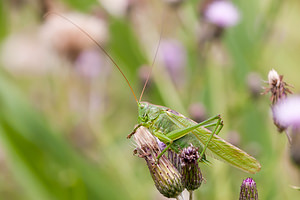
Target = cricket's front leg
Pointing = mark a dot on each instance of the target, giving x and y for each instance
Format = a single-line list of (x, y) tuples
[(136, 128)]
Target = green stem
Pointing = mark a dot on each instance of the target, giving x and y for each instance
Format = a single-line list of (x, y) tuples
[(191, 195)]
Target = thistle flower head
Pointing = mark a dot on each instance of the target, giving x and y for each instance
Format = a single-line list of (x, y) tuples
[(277, 87), (166, 177), (197, 112), (248, 190), (25, 54), (222, 14), (89, 64), (67, 39), (287, 112), (189, 155), (279, 91), (173, 55), (190, 171)]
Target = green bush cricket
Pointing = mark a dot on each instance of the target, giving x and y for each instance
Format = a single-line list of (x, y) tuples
[(178, 131)]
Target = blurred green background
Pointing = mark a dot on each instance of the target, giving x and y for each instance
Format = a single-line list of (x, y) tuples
[(63, 125)]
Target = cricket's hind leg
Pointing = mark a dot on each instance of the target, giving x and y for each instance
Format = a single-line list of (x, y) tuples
[(218, 126), (218, 122), (170, 137)]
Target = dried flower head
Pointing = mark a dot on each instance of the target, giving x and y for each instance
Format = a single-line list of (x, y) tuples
[(166, 177), (67, 39), (24, 54), (248, 190), (277, 87), (279, 91), (190, 171)]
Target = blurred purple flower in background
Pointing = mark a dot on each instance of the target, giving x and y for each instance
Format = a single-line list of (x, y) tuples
[(254, 84), (89, 63), (197, 112), (222, 13), (173, 55), (287, 112)]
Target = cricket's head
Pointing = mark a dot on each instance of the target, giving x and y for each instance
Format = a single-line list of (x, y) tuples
[(147, 112)]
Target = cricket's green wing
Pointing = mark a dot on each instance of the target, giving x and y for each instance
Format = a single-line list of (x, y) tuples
[(219, 148)]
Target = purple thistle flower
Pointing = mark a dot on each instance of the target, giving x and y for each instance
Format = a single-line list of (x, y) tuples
[(89, 63), (287, 112), (173, 55), (197, 112), (222, 13), (248, 190)]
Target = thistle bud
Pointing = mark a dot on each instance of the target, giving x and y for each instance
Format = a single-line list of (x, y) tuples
[(248, 190), (190, 171), (166, 177)]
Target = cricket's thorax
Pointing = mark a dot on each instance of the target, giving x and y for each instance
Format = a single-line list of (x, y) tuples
[(164, 120), (147, 112)]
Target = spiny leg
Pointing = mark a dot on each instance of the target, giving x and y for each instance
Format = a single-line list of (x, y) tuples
[(211, 125), (216, 117), (134, 130), (219, 126), (179, 133)]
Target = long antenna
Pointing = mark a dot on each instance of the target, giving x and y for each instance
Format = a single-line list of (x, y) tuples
[(152, 65), (103, 50)]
